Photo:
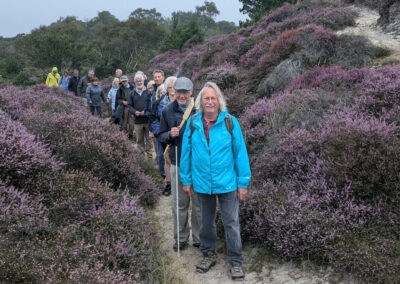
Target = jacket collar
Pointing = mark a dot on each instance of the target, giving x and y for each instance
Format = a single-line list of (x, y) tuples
[(198, 123)]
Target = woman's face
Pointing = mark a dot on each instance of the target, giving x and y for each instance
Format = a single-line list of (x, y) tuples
[(116, 83), (171, 92), (150, 89), (95, 83)]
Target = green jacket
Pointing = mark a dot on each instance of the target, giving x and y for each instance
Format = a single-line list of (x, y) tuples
[(82, 85)]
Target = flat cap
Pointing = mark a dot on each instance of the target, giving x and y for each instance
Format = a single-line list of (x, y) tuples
[(124, 78), (183, 83)]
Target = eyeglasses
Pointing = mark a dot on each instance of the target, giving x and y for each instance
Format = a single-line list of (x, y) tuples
[(182, 93)]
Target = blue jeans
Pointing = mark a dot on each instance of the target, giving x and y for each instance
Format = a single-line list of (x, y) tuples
[(160, 156), (229, 205), (98, 110)]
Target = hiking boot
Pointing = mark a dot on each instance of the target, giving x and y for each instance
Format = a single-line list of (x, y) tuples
[(182, 246), (196, 245), (167, 189), (236, 273), (208, 261)]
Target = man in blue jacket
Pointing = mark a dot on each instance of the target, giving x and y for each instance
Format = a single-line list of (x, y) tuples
[(172, 127), (215, 165)]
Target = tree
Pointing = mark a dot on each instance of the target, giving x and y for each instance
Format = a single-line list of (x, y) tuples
[(256, 9), (145, 14), (209, 9)]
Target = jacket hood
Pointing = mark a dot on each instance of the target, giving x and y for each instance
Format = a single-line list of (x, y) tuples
[(54, 69)]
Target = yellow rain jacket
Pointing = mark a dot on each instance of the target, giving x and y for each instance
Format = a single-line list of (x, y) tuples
[(53, 78)]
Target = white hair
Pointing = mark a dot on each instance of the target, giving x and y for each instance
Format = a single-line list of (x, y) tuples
[(218, 92), (115, 79), (170, 80), (138, 75), (159, 90)]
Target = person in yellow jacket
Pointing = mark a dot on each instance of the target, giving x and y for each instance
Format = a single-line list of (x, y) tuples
[(53, 78)]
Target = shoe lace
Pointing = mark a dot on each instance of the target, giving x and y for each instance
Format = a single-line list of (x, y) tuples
[(237, 270)]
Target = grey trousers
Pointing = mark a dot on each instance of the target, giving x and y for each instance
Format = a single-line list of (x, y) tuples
[(183, 204), (229, 205)]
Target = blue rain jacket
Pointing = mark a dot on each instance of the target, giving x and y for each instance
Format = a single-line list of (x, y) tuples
[(220, 167)]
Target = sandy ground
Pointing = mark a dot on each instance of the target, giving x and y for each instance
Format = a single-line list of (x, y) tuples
[(366, 25), (271, 271), (267, 270)]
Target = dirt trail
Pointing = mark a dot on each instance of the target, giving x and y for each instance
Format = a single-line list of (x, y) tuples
[(270, 271), (366, 25)]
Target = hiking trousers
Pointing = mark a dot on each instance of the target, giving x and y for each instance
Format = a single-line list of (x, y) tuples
[(126, 122), (184, 204), (229, 206), (143, 139)]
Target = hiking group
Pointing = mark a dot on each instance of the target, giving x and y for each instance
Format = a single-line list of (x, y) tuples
[(200, 152)]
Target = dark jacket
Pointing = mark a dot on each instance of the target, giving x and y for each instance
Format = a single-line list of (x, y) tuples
[(82, 85), (94, 95), (119, 98), (73, 84), (138, 102), (172, 117), (156, 112)]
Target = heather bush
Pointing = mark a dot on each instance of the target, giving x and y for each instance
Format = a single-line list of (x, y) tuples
[(83, 141), (353, 51), (24, 162), (330, 188), (86, 226), (280, 77), (286, 43)]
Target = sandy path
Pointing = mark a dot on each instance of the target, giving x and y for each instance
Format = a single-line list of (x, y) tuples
[(269, 272)]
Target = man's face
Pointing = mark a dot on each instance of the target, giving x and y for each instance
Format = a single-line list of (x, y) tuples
[(158, 78), (182, 96), (118, 73), (209, 101), (76, 73), (125, 83), (139, 82), (90, 74)]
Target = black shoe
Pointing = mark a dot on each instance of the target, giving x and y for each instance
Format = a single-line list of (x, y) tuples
[(182, 246), (196, 245), (130, 137), (167, 189)]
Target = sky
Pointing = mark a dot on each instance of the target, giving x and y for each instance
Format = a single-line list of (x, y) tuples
[(21, 16)]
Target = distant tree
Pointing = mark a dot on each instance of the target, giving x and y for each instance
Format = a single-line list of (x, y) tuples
[(179, 35), (258, 8), (208, 9), (146, 14)]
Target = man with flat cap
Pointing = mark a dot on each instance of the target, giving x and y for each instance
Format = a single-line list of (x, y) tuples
[(172, 126)]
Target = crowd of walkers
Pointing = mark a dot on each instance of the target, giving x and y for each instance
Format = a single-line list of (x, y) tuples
[(199, 146)]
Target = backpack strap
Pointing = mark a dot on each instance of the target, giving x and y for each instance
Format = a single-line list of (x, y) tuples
[(229, 125), (191, 125)]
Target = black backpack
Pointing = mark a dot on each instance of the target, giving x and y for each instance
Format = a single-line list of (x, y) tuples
[(228, 124)]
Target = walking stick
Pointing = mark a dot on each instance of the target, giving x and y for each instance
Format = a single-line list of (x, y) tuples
[(177, 197)]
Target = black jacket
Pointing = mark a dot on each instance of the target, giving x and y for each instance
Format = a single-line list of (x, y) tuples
[(172, 117), (73, 84), (138, 102), (120, 96)]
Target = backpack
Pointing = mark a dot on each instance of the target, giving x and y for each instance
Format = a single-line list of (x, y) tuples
[(228, 124)]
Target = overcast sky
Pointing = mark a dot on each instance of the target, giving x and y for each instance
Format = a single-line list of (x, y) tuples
[(21, 16)]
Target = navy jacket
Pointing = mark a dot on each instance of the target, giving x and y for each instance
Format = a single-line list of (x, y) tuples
[(73, 84), (138, 102), (172, 117)]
